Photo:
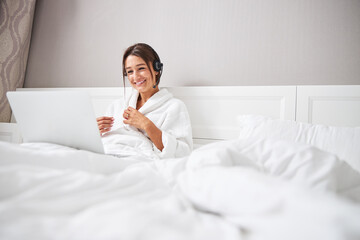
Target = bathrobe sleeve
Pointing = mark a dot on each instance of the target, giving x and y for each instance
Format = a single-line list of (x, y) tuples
[(176, 131)]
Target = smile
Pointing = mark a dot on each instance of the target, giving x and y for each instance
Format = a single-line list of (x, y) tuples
[(139, 83)]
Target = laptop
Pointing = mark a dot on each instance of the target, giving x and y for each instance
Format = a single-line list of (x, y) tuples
[(61, 117)]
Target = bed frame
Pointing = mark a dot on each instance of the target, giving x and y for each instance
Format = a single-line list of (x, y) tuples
[(213, 110)]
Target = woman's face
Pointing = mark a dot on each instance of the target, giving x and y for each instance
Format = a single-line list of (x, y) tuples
[(139, 75)]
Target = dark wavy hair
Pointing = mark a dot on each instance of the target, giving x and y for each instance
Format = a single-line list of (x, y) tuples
[(145, 52)]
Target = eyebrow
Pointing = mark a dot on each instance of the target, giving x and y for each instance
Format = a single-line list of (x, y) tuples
[(136, 65)]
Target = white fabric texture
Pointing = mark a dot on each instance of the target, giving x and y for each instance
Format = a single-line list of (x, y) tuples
[(272, 189), (241, 189), (342, 141), (53, 192), (265, 207), (166, 112), (298, 163)]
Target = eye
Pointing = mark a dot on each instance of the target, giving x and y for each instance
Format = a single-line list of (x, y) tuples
[(130, 72), (141, 68)]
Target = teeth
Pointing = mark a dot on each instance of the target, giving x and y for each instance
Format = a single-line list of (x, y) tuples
[(138, 83)]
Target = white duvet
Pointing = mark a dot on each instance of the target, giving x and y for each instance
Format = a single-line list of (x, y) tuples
[(239, 189)]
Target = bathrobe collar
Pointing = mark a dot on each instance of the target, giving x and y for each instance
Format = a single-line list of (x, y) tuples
[(154, 102)]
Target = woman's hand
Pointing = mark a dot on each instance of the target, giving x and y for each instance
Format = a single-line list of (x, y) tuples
[(136, 119), (104, 124)]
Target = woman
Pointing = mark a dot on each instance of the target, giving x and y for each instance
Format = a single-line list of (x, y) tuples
[(150, 122)]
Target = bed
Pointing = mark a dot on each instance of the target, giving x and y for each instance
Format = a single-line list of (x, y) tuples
[(270, 162)]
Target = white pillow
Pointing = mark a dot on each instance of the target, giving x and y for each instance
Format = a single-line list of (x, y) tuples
[(341, 141)]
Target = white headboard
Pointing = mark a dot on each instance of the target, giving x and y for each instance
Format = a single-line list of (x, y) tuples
[(330, 105), (213, 110)]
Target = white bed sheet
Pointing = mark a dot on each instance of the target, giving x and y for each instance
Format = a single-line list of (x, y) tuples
[(240, 189), (61, 193), (275, 190)]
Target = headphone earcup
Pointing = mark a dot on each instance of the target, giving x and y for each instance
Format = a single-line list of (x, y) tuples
[(157, 66)]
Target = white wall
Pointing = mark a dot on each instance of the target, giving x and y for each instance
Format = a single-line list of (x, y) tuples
[(79, 43)]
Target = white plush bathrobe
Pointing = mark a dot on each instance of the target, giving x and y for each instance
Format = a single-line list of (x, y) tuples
[(166, 112)]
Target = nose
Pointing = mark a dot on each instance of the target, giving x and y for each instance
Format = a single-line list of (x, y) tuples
[(136, 75)]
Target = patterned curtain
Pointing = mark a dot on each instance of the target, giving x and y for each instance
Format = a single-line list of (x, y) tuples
[(16, 18)]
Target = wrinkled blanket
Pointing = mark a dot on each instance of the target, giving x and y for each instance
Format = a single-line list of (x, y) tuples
[(239, 189)]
